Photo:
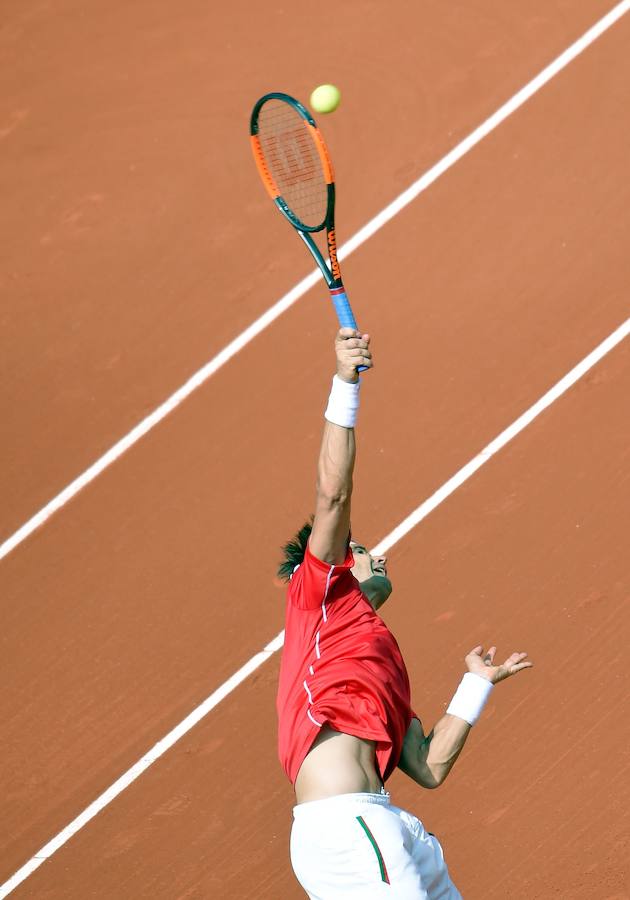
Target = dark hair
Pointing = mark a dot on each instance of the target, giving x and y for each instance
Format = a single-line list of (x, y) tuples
[(294, 551)]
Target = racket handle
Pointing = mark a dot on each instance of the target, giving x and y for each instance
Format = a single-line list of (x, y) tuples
[(343, 309), (344, 313)]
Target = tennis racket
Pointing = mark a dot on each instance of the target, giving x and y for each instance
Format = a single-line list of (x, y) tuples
[(294, 164)]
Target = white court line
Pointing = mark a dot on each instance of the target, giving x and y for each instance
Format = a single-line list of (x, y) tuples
[(256, 661), (305, 284), (499, 442)]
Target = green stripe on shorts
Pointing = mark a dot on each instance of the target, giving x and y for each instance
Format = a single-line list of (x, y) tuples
[(379, 855)]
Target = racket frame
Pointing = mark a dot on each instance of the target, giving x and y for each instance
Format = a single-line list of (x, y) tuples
[(331, 271)]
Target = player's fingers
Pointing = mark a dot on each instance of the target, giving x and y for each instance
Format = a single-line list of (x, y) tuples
[(514, 664), (489, 656), (345, 333), (514, 658), (358, 356), (478, 650), (524, 665)]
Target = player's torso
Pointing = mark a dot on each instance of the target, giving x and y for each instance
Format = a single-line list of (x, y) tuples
[(344, 670), (352, 645)]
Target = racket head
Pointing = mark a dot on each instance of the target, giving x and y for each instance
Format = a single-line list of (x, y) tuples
[(293, 161)]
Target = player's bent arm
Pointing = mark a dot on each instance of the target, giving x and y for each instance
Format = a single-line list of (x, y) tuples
[(428, 759)]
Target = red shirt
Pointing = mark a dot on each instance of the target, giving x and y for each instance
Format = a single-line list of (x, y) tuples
[(340, 665)]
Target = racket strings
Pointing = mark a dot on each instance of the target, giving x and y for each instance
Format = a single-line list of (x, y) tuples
[(293, 161)]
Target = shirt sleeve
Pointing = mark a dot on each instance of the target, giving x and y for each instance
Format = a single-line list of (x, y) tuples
[(315, 582)]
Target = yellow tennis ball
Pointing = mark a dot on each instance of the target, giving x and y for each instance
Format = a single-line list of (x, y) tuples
[(325, 98)]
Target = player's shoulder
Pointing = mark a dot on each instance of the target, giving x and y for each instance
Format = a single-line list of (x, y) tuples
[(312, 564), (314, 581)]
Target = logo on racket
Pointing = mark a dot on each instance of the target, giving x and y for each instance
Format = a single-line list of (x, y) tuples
[(332, 250)]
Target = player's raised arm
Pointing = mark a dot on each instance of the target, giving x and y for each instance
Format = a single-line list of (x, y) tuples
[(331, 526)]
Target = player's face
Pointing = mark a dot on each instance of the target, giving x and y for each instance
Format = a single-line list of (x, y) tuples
[(371, 572), (366, 565)]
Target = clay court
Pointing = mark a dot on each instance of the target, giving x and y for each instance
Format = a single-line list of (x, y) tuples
[(137, 243)]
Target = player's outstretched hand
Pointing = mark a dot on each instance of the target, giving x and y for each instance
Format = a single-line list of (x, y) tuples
[(481, 663), (353, 350)]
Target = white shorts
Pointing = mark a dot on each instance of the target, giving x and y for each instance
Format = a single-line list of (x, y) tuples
[(360, 846)]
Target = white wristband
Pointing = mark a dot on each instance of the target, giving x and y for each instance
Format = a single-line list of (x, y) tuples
[(343, 402), (470, 697)]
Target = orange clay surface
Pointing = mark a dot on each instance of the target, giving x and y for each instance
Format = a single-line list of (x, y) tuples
[(136, 242)]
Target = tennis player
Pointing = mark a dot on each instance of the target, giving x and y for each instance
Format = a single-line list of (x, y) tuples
[(344, 703)]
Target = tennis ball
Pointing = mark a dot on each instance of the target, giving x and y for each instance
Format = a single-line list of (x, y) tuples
[(325, 98)]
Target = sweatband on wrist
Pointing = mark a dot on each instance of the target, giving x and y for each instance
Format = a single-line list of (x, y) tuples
[(470, 697), (343, 402)]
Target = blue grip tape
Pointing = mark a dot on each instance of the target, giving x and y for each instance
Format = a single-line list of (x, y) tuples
[(343, 310), (345, 314)]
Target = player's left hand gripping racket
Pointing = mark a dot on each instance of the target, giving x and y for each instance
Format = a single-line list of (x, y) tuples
[(295, 167)]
